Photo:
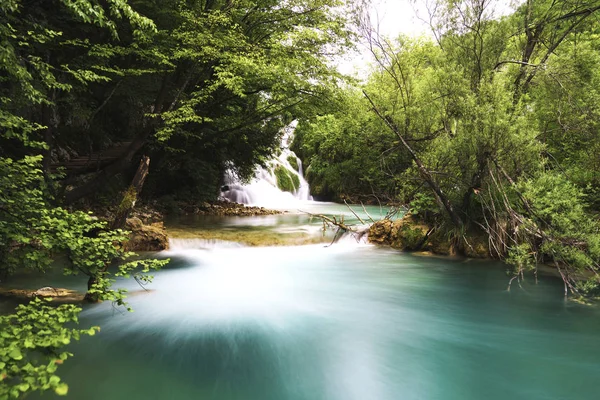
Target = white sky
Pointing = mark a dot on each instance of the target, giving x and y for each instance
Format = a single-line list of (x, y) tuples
[(391, 17), (397, 16), (394, 17)]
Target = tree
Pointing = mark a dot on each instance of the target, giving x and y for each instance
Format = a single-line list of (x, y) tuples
[(213, 86), (496, 137), (33, 228)]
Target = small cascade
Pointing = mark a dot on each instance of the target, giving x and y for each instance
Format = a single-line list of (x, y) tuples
[(280, 184), (176, 244)]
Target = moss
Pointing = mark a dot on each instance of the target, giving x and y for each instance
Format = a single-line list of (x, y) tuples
[(412, 237), (295, 180), (249, 237), (128, 201), (293, 160), (146, 237), (286, 181)]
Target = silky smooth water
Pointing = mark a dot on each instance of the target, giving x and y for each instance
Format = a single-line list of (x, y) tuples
[(345, 322)]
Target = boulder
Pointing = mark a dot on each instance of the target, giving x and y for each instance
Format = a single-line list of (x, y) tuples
[(381, 232), (146, 237), (405, 233)]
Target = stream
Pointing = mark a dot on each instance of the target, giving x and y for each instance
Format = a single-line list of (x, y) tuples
[(349, 321)]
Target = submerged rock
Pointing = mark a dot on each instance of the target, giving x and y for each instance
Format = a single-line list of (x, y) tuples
[(57, 294), (229, 208), (151, 237)]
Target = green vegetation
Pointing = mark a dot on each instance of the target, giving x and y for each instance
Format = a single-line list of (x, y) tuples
[(286, 180), (88, 87), (36, 328), (490, 129), (293, 162)]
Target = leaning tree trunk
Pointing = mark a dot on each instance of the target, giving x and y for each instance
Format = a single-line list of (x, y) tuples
[(104, 176), (127, 203), (131, 195), (423, 171)]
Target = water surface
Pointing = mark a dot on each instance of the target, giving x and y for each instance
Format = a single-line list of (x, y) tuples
[(345, 322)]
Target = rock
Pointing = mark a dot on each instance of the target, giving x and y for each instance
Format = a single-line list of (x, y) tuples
[(439, 243), (477, 246), (146, 237), (381, 232), (134, 223), (408, 233), (228, 208), (57, 294), (405, 233)]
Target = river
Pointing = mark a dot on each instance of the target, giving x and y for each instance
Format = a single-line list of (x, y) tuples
[(346, 322)]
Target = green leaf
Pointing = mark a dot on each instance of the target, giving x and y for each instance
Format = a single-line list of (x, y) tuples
[(23, 387), (62, 389), (15, 354)]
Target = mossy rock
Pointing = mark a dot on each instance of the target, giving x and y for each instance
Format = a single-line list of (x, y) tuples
[(381, 232), (409, 233), (476, 246), (286, 181), (293, 162), (146, 237), (406, 233), (410, 236), (439, 243)]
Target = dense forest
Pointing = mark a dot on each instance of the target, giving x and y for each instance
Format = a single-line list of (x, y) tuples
[(488, 129), (88, 87)]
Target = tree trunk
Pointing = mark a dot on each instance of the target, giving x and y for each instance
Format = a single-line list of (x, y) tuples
[(125, 207), (132, 193), (111, 170), (423, 171)]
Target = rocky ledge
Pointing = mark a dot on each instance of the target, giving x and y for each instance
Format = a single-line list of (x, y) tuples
[(56, 294), (410, 234), (229, 209)]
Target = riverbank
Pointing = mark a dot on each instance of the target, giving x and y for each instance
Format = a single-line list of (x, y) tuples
[(411, 234), (146, 222)]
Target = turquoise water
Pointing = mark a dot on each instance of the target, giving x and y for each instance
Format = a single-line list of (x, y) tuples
[(349, 321)]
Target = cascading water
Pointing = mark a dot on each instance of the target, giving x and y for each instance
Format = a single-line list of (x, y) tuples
[(280, 184)]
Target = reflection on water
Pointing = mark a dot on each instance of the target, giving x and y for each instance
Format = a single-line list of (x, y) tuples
[(338, 323)]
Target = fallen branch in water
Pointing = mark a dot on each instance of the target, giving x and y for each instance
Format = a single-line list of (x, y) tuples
[(342, 228), (355, 214)]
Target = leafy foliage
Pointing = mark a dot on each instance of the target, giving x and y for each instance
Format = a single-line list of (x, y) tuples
[(31, 347), (34, 228), (491, 127)]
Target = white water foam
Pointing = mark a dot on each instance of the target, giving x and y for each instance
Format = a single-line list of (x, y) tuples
[(263, 190), (176, 244)]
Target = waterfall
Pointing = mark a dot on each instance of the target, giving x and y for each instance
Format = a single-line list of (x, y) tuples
[(280, 184)]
